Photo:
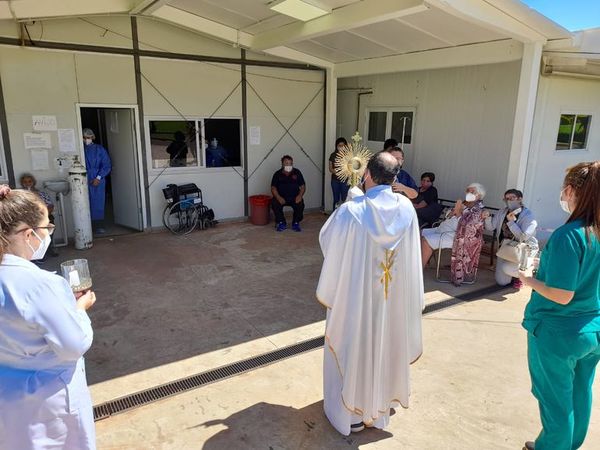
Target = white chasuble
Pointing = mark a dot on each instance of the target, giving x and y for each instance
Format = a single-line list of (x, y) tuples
[(372, 285)]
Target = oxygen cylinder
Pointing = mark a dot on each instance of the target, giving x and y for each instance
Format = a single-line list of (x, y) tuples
[(80, 202)]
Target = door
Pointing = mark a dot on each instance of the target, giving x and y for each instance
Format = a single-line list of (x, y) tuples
[(385, 123), (121, 142)]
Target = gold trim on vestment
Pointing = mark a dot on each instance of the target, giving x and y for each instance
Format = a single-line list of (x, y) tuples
[(355, 410), (322, 302)]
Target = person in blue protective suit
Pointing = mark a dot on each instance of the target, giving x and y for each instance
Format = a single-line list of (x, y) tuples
[(44, 332), (563, 316), (216, 155), (98, 166)]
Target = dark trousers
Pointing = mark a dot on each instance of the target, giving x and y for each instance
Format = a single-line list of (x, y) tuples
[(340, 192), (278, 210)]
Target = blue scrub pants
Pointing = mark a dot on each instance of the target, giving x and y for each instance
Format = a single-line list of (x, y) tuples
[(340, 192), (562, 368)]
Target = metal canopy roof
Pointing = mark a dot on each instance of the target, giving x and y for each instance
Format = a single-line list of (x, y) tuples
[(355, 31)]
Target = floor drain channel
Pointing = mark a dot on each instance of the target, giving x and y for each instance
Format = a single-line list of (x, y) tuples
[(135, 400), (463, 298), (105, 410)]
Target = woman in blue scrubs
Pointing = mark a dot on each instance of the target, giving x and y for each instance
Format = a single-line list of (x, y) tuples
[(563, 316), (44, 332)]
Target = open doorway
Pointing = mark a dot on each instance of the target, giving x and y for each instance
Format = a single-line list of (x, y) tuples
[(114, 129)]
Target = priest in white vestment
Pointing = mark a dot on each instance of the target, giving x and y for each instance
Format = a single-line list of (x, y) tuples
[(372, 285)]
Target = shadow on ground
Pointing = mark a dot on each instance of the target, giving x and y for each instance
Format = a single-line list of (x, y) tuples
[(163, 298), (269, 426)]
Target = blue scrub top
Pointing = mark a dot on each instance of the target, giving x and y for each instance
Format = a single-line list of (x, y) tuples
[(405, 178), (570, 261)]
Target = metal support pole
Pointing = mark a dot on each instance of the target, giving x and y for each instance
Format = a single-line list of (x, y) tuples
[(140, 103), (6, 139), (324, 141), (245, 130)]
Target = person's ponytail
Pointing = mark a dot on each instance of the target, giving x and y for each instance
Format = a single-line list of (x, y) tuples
[(584, 178), (17, 207)]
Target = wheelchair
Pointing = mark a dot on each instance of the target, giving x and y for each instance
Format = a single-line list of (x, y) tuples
[(185, 210)]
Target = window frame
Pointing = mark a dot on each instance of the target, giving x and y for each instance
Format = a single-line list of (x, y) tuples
[(200, 147), (390, 110), (571, 150)]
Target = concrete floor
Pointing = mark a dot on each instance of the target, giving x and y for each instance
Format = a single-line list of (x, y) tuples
[(470, 390), (173, 306), (164, 298)]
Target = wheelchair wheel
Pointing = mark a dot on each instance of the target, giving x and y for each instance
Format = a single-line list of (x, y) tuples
[(181, 217)]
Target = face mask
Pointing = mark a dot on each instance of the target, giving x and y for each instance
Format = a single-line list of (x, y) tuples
[(87, 141), (513, 204), (563, 203), (41, 250), (288, 168), (470, 197)]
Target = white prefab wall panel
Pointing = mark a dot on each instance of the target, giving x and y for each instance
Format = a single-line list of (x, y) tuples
[(286, 96), (193, 88), (222, 190), (462, 127), (196, 90), (41, 82), (44, 82), (546, 166)]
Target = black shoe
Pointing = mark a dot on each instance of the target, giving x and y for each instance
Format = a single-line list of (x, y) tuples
[(357, 427), (529, 445)]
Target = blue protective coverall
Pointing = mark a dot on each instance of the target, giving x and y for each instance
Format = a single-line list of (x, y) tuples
[(44, 399), (98, 166)]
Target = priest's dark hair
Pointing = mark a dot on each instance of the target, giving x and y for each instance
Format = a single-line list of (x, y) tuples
[(383, 168)]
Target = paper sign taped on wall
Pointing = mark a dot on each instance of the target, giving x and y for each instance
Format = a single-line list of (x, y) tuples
[(39, 159), (37, 140), (66, 140), (44, 123), (254, 135)]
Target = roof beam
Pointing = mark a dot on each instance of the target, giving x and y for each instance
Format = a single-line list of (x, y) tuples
[(295, 55), (34, 9), (147, 6), (466, 55), (354, 15), (484, 14), (199, 24)]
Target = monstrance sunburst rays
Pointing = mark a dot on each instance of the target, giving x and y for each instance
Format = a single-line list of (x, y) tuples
[(351, 161)]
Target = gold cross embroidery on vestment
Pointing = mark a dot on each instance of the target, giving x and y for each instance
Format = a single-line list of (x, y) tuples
[(386, 266)]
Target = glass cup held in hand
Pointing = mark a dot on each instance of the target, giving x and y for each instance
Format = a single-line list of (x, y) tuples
[(77, 273)]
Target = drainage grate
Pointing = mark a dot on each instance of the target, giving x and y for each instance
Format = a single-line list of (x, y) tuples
[(105, 410), (463, 298)]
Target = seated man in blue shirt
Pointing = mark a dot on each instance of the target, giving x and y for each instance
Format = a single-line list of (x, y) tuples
[(288, 188), (404, 182)]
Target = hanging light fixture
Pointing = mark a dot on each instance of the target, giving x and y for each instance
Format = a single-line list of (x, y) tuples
[(303, 10)]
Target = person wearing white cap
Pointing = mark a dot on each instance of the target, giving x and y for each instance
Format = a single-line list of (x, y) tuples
[(98, 166)]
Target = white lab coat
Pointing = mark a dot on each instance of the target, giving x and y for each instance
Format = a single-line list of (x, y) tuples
[(44, 399)]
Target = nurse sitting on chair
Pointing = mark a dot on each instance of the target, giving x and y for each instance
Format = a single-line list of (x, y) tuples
[(44, 332)]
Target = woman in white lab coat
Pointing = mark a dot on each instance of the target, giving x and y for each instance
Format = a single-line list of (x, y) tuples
[(44, 332)]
